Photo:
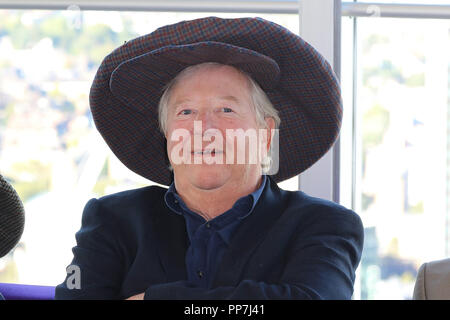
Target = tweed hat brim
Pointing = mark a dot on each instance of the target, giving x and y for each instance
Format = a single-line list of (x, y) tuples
[(299, 82), (139, 82)]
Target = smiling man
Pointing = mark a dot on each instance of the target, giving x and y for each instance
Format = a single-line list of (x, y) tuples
[(194, 106)]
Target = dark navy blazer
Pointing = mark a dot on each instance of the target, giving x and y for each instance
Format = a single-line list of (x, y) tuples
[(292, 246)]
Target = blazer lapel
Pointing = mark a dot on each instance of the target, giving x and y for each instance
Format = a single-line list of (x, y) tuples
[(171, 240), (249, 235)]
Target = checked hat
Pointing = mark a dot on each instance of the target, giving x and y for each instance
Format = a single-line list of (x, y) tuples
[(298, 81)]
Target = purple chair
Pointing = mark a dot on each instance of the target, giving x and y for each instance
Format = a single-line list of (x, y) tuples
[(13, 291)]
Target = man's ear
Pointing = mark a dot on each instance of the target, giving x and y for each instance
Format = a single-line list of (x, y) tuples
[(270, 123)]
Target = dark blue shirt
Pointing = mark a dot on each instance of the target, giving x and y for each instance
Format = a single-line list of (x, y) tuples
[(209, 239)]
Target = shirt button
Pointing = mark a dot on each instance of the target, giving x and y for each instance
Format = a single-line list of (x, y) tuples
[(200, 274), (208, 225), (176, 201)]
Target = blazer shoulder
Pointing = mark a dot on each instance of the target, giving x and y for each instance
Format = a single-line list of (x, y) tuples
[(315, 215), (132, 203), (133, 196), (419, 287), (302, 202), (432, 281)]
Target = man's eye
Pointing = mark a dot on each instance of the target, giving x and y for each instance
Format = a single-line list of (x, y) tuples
[(186, 112), (227, 110)]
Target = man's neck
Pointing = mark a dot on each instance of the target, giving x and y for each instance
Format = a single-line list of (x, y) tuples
[(212, 203)]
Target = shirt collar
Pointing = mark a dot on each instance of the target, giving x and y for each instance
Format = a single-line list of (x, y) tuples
[(176, 204), (223, 223)]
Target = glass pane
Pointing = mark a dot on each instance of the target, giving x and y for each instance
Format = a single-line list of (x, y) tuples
[(402, 167), (50, 149)]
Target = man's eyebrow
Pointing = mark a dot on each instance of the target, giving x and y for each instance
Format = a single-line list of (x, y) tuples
[(179, 101), (231, 98)]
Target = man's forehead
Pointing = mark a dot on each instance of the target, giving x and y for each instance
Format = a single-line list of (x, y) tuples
[(211, 73), (183, 99), (215, 82)]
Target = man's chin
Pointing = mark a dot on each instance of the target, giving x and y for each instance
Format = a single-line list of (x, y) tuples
[(209, 177)]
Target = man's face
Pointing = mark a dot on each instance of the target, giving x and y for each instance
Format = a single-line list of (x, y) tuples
[(204, 106)]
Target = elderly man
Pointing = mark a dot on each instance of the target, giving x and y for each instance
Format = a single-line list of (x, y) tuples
[(173, 106)]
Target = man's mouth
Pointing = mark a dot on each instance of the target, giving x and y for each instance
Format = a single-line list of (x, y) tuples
[(207, 152)]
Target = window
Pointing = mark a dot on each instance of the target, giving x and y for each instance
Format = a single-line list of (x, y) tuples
[(398, 88)]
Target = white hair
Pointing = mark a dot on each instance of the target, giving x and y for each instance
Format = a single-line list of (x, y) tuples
[(261, 103)]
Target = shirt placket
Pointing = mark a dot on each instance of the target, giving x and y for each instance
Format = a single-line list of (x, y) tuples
[(199, 271)]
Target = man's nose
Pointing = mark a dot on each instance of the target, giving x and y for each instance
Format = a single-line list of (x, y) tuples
[(207, 121)]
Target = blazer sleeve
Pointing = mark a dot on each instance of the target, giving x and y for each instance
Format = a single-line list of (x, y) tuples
[(321, 264), (96, 257)]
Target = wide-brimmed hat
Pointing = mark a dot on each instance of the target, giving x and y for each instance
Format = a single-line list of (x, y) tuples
[(298, 81)]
